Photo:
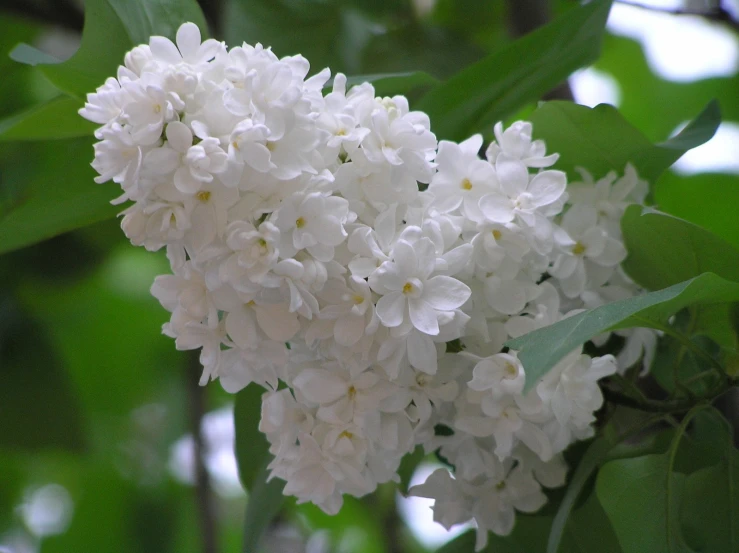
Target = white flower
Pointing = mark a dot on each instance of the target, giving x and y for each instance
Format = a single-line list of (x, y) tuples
[(410, 293), (462, 177), (515, 143), (313, 222), (588, 249), (188, 49), (522, 197), (193, 165)]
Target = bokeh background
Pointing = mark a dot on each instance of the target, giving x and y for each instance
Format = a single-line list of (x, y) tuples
[(100, 417)]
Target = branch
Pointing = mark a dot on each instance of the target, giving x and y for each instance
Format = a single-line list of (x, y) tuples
[(717, 13), (204, 496), (62, 13)]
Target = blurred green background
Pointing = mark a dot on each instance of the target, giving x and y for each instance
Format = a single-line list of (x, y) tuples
[(98, 410)]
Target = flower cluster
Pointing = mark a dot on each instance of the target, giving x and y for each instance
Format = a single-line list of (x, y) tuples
[(305, 259)]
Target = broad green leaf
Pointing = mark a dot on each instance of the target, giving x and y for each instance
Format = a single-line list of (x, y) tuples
[(112, 27), (642, 507), (496, 86), (594, 456), (145, 18), (600, 140), (265, 501), (664, 250), (597, 139), (57, 118), (60, 195), (408, 466), (541, 349), (708, 200), (252, 448), (653, 162), (28, 55), (710, 509)]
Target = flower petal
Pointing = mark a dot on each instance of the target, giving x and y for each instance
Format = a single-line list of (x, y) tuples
[(445, 293)]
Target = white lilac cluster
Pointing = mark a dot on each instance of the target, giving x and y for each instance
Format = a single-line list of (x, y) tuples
[(306, 260)]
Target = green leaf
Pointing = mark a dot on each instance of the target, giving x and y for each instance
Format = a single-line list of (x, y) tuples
[(710, 509), (664, 250), (600, 140), (708, 200), (145, 18), (252, 447), (112, 27), (496, 86), (643, 509), (265, 501), (28, 55), (541, 349), (58, 196), (594, 456), (653, 162), (57, 118)]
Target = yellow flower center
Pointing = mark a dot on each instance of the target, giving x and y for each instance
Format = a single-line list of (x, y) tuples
[(578, 248), (466, 184), (500, 485), (346, 434), (358, 299), (352, 392), (299, 222), (407, 288), (511, 369), (497, 234), (203, 196)]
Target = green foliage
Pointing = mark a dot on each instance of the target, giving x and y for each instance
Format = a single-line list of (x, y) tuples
[(664, 250), (541, 349), (498, 85), (57, 118), (600, 139), (56, 195)]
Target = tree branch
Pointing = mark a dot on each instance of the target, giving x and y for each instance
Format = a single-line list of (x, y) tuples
[(717, 13), (203, 494), (63, 13)]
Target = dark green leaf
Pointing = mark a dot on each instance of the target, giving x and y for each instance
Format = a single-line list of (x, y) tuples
[(265, 501), (664, 250), (653, 162), (145, 18), (710, 509), (540, 350), (642, 507), (408, 466), (599, 139), (594, 456), (504, 81), (251, 445), (57, 118), (708, 200), (59, 196)]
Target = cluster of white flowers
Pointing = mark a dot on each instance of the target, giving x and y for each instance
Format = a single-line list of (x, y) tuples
[(306, 260)]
